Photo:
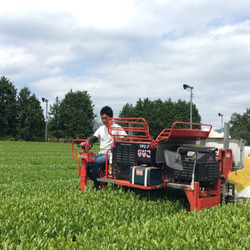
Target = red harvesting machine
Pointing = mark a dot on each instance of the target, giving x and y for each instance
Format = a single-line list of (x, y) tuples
[(177, 158)]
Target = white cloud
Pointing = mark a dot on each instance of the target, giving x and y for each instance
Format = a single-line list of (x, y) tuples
[(120, 51), (97, 13)]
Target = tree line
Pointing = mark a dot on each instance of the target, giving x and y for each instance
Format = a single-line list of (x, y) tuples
[(22, 117), (161, 114), (240, 126)]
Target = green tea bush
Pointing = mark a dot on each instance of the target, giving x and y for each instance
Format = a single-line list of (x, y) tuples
[(41, 208)]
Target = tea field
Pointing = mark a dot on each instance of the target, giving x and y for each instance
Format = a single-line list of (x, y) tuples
[(41, 208)]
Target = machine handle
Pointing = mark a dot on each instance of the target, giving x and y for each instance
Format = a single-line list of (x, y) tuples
[(87, 147)]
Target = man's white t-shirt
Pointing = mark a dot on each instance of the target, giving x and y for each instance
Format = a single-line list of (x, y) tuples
[(105, 138)]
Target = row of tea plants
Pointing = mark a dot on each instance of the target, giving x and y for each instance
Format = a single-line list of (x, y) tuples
[(41, 208)]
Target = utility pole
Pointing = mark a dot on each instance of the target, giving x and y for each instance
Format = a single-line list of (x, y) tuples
[(185, 86), (221, 115), (46, 117)]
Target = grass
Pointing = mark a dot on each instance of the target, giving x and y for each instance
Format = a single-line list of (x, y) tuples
[(41, 208)]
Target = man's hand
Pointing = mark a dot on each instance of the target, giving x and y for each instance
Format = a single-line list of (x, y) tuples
[(84, 144)]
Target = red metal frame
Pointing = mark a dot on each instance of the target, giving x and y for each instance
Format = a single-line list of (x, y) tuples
[(226, 162), (211, 196), (199, 199), (183, 133), (136, 128), (85, 158), (138, 132)]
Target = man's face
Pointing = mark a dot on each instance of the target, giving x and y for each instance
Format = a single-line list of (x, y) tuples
[(105, 119)]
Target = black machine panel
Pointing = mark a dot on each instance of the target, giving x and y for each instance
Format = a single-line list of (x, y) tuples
[(203, 159), (126, 155)]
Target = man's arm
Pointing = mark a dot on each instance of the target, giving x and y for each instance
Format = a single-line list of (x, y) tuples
[(92, 139)]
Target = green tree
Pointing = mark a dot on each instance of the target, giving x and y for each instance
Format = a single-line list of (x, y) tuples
[(8, 108), (127, 110), (76, 115), (240, 126), (31, 122), (159, 114), (54, 131)]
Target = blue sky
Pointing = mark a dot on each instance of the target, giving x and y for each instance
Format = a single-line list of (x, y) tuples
[(123, 50)]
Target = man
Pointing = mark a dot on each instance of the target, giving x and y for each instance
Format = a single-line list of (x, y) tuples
[(106, 141)]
